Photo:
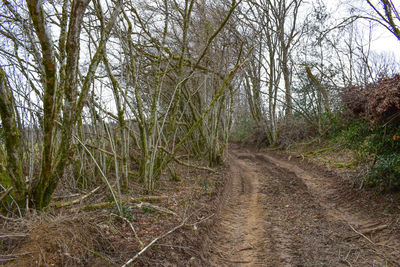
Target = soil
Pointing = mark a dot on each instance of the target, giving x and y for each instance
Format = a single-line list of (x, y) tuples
[(264, 208), (283, 211)]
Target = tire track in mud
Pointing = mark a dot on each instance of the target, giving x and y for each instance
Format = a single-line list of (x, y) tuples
[(249, 234), (324, 190), (277, 214), (342, 205), (242, 237)]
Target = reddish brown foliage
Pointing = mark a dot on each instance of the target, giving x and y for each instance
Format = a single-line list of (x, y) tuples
[(354, 98), (376, 101)]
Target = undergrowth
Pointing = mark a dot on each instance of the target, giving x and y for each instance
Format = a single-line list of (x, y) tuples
[(379, 142)]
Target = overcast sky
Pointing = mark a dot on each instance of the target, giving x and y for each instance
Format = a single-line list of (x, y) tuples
[(382, 39), (385, 41)]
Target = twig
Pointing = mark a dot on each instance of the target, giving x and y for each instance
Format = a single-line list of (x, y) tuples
[(6, 193), (9, 259), (202, 220), (361, 234), (9, 219), (133, 229), (103, 151), (154, 241), (15, 255), (13, 235), (372, 230)]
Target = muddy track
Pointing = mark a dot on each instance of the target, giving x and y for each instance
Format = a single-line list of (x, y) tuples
[(280, 214)]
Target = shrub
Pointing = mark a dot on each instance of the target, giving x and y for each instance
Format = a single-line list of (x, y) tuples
[(386, 171), (383, 140), (379, 141), (385, 144), (353, 135)]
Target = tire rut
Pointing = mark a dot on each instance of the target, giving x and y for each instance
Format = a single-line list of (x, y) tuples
[(275, 216), (241, 230)]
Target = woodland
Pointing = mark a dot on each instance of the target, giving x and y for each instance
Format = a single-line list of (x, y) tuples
[(111, 105)]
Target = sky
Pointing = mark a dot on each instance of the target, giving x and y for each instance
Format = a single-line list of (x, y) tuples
[(385, 41), (382, 39)]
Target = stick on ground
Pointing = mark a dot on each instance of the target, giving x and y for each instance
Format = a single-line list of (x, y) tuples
[(152, 242)]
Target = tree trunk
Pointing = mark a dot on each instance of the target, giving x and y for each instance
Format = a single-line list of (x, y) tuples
[(51, 172), (12, 140), (320, 88)]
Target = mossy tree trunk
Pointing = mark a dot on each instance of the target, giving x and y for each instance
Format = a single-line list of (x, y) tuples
[(52, 171), (12, 140), (53, 163), (48, 62)]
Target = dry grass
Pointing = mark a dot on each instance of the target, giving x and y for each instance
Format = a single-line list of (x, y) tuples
[(73, 236)]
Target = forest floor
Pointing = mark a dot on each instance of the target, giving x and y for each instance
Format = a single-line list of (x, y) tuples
[(264, 208)]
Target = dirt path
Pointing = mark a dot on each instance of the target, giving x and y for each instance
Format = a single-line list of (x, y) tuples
[(281, 213), (242, 234)]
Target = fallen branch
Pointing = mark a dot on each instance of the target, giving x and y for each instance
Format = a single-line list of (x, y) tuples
[(238, 261), (361, 234), (370, 231), (138, 205), (153, 207), (75, 201), (186, 163), (303, 143), (375, 229), (68, 196), (154, 241), (338, 164), (201, 220), (133, 230)]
